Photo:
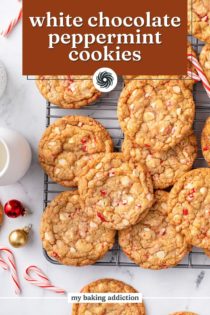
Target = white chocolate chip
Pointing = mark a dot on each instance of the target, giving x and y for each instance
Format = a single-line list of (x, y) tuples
[(63, 216), (189, 186), (98, 166), (71, 140), (125, 181), (160, 254), (52, 144), (72, 250), (93, 225), (57, 130), (178, 111), (149, 197), (203, 190), (148, 116), (176, 89), (62, 162), (207, 65)]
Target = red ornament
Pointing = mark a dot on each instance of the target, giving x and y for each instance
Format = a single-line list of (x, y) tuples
[(14, 208)]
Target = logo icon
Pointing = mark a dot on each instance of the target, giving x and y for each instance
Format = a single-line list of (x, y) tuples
[(105, 80)]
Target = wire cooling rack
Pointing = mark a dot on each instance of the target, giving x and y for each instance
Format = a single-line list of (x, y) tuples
[(104, 110)]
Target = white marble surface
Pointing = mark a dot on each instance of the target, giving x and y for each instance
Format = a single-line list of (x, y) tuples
[(22, 108)]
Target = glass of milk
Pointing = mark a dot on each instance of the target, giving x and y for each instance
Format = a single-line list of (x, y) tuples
[(15, 156)]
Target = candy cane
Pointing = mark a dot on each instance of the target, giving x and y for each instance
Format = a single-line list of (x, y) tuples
[(42, 282), (10, 266), (193, 76), (200, 72), (12, 23)]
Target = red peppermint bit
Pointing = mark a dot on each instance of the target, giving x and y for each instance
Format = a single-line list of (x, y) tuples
[(101, 217), (84, 148), (103, 193), (147, 145), (55, 255), (112, 173), (206, 148), (162, 232), (84, 140), (185, 211)]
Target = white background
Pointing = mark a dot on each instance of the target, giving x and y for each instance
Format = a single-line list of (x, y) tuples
[(23, 109)]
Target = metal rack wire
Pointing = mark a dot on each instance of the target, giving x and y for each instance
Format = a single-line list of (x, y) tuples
[(104, 110)]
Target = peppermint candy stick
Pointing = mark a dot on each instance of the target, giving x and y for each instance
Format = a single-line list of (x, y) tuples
[(42, 281), (12, 23), (10, 266), (200, 72)]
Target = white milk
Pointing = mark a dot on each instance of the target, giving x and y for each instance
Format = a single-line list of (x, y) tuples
[(3, 156)]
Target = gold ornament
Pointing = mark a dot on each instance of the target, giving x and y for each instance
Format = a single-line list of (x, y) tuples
[(1, 214), (19, 238)]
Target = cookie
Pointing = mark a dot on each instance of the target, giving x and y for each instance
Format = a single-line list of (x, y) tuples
[(205, 141), (154, 243), (156, 114), (167, 166), (189, 207), (199, 19), (108, 286), (188, 82), (119, 190), (205, 60), (68, 91), (72, 234), (183, 313), (68, 144), (1, 214)]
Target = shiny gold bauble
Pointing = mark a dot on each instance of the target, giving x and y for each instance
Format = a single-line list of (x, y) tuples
[(19, 238), (1, 214)]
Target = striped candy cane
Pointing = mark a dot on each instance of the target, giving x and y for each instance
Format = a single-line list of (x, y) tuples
[(200, 72), (42, 281), (10, 266), (13, 23)]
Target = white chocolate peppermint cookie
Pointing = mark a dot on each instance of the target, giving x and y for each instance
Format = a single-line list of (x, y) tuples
[(205, 141), (156, 114), (68, 91), (108, 286), (72, 234), (154, 243), (118, 190), (67, 146), (205, 60), (183, 313), (199, 19), (167, 166), (189, 207)]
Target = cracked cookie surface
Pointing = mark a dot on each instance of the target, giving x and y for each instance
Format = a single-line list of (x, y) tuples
[(167, 166), (156, 114), (108, 286), (68, 144), (183, 313), (205, 141), (189, 207), (72, 234), (72, 91), (154, 243), (188, 82), (199, 19), (119, 190), (205, 60)]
